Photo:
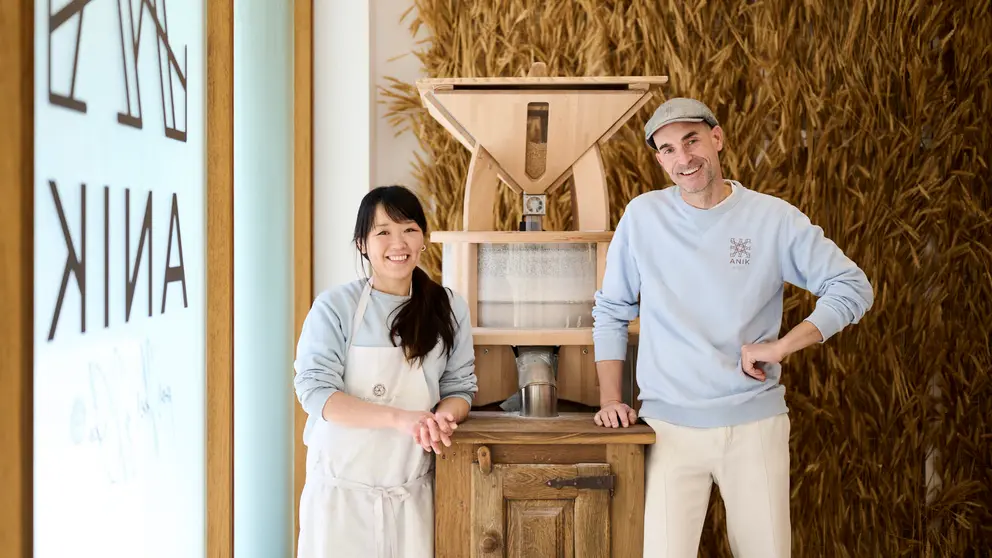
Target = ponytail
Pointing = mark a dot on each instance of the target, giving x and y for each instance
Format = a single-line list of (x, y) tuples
[(425, 319)]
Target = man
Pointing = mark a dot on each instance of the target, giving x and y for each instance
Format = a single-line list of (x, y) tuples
[(703, 263)]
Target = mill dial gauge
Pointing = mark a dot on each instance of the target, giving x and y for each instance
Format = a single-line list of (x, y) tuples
[(534, 205)]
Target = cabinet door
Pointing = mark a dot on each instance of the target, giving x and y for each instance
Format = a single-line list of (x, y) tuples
[(541, 511)]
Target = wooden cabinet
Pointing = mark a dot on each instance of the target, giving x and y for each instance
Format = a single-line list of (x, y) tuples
[(534, 487), (541, 510)]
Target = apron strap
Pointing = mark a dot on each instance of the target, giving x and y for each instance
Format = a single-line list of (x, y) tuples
[(356, 322), (363, 302)]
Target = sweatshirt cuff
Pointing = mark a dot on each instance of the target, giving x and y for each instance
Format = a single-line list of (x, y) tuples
[(613, 348), (826, 320), (468, 397), (318, 398)]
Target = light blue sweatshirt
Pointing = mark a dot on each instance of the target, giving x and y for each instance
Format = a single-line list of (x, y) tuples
[(320, 353), (705, 283)]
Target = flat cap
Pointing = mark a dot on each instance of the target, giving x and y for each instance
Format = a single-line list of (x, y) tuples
[(678, 109)]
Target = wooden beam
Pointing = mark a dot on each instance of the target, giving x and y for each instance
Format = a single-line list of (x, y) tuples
[(561, 337), (590, 198), (302, 217), (220, 280), (16, 275), (525, 237)]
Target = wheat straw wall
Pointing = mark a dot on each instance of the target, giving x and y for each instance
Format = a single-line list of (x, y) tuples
[(873, 118)]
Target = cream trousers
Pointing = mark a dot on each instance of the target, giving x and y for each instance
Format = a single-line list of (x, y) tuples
[(750, 465)]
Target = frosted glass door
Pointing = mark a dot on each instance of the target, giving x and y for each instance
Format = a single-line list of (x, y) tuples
[(119, 224)]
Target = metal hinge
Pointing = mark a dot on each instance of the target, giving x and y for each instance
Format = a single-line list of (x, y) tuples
[(590, 483)]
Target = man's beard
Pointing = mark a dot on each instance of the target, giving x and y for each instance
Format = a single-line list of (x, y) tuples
[(704, 167)]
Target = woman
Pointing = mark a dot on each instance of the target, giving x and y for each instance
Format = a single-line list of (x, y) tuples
[(385, 370)]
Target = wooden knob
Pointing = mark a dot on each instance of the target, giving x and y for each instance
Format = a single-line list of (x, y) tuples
[(490, 543), (485, 460)]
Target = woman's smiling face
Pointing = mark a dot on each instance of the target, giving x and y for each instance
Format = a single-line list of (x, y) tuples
[(393, 248)]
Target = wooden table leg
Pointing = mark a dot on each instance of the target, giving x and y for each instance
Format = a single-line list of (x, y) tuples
[(452, 502), (627, 504)]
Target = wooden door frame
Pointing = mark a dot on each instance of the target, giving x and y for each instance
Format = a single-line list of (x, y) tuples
[(302, 219), (16, 274), (17, 25), (220, 279)]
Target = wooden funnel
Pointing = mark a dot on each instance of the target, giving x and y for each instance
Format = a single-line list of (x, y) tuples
[(533, 133)]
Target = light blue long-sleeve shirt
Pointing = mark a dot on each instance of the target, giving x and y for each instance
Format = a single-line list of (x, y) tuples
[(321, 351), (707, 282)]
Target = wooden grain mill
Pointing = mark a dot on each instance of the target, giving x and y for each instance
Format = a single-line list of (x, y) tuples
[(531, 134), (530, 481)]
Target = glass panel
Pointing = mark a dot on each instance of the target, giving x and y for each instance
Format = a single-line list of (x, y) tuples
[(537, 140), (119, 279), (548, 286)]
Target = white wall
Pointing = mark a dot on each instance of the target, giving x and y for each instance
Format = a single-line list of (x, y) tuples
[(354, 148), (342, 135), (392, 56), (263, 278)]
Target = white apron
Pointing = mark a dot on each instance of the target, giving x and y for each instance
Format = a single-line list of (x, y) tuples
[(369, 493)]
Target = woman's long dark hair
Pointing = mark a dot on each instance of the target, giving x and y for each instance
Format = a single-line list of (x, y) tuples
[(427, 316)]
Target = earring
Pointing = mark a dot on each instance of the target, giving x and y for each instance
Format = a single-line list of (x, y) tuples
[(423, 248)]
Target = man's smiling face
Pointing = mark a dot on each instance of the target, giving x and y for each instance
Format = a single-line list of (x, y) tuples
[(690, 154)]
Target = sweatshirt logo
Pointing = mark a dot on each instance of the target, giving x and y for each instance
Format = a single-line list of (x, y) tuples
[(740, 251)]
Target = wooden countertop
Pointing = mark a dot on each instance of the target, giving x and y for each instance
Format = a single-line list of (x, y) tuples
[(568, 428)]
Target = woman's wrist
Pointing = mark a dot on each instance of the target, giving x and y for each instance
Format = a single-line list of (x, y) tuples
[(457, 406)]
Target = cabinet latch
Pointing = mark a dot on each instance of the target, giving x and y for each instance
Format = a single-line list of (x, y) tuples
[(485, 460), (591, 483)]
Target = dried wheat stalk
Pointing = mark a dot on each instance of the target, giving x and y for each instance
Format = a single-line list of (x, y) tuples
[(872, 117)]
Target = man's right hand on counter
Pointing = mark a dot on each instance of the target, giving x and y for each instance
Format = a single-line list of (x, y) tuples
[(614, 414)]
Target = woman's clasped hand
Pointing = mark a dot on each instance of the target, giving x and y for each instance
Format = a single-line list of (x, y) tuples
[(429, 430)]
